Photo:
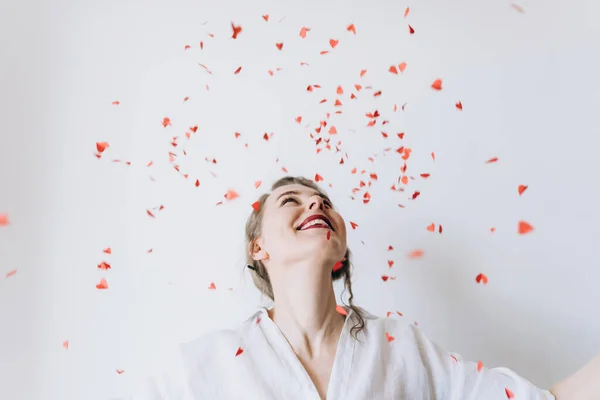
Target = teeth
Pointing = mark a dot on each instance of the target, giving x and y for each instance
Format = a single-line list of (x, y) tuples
[(314, 222)]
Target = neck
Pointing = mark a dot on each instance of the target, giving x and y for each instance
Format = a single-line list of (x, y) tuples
[(305, 309)]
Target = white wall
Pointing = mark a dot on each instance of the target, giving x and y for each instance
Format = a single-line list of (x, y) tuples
[(528, 84)]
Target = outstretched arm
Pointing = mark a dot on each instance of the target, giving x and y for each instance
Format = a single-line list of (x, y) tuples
[(582, 385)]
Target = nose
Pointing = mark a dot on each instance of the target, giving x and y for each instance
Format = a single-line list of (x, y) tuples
[(316, 200)]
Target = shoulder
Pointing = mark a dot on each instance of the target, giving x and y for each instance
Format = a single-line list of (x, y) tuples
[(193, 358), (212, 344)]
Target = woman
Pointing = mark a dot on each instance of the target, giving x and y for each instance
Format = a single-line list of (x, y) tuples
[(307, 347)]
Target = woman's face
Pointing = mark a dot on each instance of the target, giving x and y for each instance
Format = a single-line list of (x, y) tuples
[(284, 211)]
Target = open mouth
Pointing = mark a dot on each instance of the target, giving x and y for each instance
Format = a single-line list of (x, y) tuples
[(315, 221)]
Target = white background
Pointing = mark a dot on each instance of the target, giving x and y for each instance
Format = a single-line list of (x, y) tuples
[(528, 82)]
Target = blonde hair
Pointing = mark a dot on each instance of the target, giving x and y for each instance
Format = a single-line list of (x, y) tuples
[(258, 270)]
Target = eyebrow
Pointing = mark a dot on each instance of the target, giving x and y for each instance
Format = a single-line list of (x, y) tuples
[(297, 193)]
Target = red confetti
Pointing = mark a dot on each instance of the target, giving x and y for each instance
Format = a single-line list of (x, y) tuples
[(402, 66), (389, 337), (298, 119), (518, 8), (257, 184), (4, 219), (509, 394), (415, 195), (104, 265), (406, 11), (256, 205), (337, 266), (492, 230), (120, 371), (187, 46), (333, 43), (197, 183), (351, 28), (479, 366), (362, 73), (390, 263), (239, 351), (492, 160), (279, 45), (411, 30), (116, 103), (318, 178), (166, 122), (66, 344), (437, 84), (524, 228), (393, 70), (481, 278), (236, 30), (354, 225), (459, 106), (385, 278), (332, 130), (522, 188), (101, 146), (303, 32), (150, 213), (102, 285), (431, 228), (212, 286), (433, 155), (186, 99), (266, 17), (237, 71)]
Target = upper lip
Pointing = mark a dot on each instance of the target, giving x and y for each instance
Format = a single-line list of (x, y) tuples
[(313, 217)]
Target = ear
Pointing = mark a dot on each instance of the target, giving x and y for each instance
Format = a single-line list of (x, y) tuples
[(256, 251)]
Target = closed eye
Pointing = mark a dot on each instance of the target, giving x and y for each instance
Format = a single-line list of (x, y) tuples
[(285, 200)]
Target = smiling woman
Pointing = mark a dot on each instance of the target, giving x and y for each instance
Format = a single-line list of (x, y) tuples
[(308, 347)]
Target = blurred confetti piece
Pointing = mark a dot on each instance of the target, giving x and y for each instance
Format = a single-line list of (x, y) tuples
[(402, 66), (414, 254), (389, 337), (120, 371), (187, 46), (481, 278), (236, 30), (11, 273), (518, 8), (318, 178), (362, 73), (257, 184), (341, 310), (492, 160), (237, 71), (524, 228), (239, 351), (509, 394), (231, 195), (522, 188), (406, 11), (492, 229), (459, 106), (431, 228), (212, 286), (116, 103), (66, 344), (479, 366), (354, 225), (351, 28), (256, 205), (102, 285), (197, 183), (411, 30), (266, 17), (437, 84), (279, 45), (107, 250), (166, 122), (333, 43), (4, 219)]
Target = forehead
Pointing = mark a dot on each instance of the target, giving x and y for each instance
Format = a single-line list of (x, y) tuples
[(293, 189)]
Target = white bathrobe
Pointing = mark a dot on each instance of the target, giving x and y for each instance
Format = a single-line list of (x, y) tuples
[(392, 360)]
